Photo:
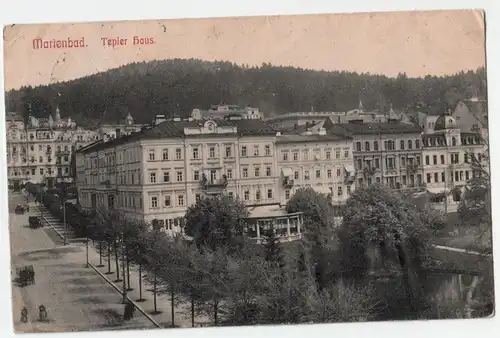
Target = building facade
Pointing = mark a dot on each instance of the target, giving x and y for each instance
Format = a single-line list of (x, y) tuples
[(223, 110), (318, 160), (449, 154), (388, 153), (40, 151)]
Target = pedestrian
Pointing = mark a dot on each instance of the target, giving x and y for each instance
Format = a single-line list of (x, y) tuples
[(42, 313), (24, 315)]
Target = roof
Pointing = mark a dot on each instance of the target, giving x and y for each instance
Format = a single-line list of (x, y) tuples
[(445, 121), (269, 211), (351, 129), (311, 138), (175, 129)]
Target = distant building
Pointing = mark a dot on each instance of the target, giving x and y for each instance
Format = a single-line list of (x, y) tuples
[(292, 120), (448, 155), (40, 151), (388, 153), (126, 126), (223, 111)]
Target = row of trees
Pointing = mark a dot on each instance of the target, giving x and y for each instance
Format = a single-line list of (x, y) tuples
[(371, 267), (177, 86)]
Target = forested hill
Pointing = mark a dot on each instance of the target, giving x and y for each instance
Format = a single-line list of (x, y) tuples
[(175, 87)]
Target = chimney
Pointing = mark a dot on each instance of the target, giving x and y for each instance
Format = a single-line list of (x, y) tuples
[(322, 131), (278, 133), (159, 119)]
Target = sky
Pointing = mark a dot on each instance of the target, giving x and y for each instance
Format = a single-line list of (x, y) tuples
[(417, 43)]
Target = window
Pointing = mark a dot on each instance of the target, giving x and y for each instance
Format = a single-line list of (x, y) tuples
[(255, 150), (402, 145), (244, 151), (33, 171), (360, 164), (339, 172), (40, 159), (434, 159), (196, 175), (287, 194), (453, 141), (346, 154), (442, 159), (428, 178), (456, 176), (466, 158), (436, 177), (245, 172), (211, 152), (358, 146), (367, 146), (461, 175), (443, 177), (168, 201), (329, 173), (417, 144), (166, 176), (306, 155), (337, 154), (228, 151), (178, 154), (257, 194), (66, 170), (306, 174), (328, 155), (151, 155), (267, 150), (246, 195), (268, 171), (296, 175), (197, 197), (165, 154), (295, 156), (196, 154), (180, 200), (229, 173), (179, 176), (339, 191), (152, 177), (257, 172), (318, 174), (427, 160), (154, 202), (285, 156), (66, 158), (466, 175), (403, 162), (269, 193)]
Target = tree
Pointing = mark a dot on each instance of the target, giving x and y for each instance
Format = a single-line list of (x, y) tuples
[(272, 248), (319, 229), (383, 230), (154, 240), (216, 222)]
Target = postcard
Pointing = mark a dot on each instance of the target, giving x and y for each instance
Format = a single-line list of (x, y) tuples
[(248, 170)]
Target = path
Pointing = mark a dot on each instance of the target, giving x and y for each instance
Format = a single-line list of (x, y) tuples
[(76, 298), (470, 252)]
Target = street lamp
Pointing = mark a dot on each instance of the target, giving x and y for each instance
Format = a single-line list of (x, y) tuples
[(124, 285), (64, 222)]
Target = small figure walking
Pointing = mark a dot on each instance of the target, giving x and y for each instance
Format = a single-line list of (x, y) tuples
[(42, 313), (129, 311), (24, 315)]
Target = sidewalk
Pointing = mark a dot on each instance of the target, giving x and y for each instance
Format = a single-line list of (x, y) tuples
[(182, 315)]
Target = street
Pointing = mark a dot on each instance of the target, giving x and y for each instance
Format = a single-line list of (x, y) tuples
[(76, 298)]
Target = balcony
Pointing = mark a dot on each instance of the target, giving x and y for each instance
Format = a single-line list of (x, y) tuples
[(216, 186), (48, 151), (288, 182), (62, 152)]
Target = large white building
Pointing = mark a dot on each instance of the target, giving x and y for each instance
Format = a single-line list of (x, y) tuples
[(157, 173), (40, 150)]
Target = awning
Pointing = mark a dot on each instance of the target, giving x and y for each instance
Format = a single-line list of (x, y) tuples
[(438, 190), (349, 168), (287, 172), (322, 189)]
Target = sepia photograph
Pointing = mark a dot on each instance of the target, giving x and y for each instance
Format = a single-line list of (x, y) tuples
[(258, 170)]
